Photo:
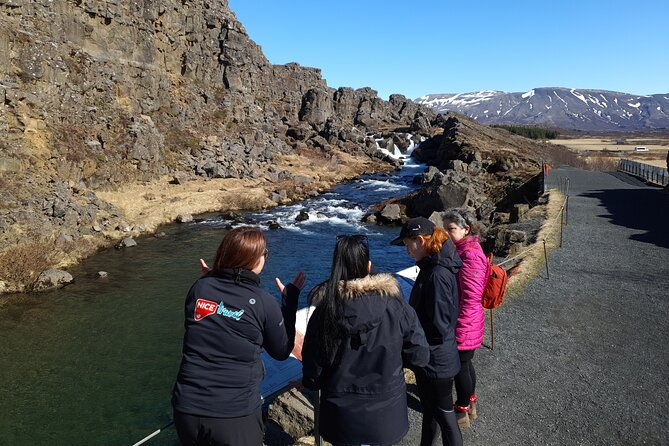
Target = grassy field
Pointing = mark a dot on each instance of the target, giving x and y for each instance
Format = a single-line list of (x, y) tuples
[(619, 146)]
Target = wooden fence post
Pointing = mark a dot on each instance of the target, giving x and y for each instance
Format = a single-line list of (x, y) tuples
[(546, 257)]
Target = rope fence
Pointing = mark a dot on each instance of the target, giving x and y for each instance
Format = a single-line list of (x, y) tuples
[(563, 186)]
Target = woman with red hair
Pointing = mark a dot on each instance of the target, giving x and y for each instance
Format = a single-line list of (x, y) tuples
[(434, 296)]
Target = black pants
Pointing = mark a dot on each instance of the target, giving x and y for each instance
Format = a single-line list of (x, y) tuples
[(465, 380), (436, 397), (207, 431)]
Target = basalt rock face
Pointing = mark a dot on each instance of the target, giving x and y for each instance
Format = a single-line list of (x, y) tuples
[(95, 94), (487, 170)]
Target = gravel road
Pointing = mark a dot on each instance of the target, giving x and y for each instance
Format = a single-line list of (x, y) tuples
[(582, 358)]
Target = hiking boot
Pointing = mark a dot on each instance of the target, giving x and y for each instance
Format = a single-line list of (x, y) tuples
[(462, 415), (472, 408)]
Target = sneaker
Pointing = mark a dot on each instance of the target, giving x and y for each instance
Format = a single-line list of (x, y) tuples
[(462, 415), (472, 407)]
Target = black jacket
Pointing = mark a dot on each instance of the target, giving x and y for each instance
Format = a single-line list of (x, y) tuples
[(363, 393), (228, 320), (434, 296)]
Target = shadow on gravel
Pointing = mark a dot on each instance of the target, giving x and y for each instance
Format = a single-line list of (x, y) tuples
[(641, 209)]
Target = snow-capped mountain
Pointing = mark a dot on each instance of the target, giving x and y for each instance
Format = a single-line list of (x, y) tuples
[(558, 108)]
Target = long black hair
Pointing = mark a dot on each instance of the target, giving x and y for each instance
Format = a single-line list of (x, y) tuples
[(350, 260)]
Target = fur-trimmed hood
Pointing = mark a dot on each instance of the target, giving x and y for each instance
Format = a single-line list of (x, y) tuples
[(366, 301), (384, 284)]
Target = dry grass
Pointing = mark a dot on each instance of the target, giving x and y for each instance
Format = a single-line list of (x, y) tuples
[(159, 202), (532, 259), (84, 246), (616, 148), (612, 143), (21, 265)]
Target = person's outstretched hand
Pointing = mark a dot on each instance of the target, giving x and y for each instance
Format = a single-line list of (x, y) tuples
[(204, 267), (299, 281)]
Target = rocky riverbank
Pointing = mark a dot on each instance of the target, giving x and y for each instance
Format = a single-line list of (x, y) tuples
[(139, 209), (114, 119)]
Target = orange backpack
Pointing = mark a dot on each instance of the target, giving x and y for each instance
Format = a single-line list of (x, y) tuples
[(495, 286)]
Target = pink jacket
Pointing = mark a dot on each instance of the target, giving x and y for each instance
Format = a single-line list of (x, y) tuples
[(471, 283)]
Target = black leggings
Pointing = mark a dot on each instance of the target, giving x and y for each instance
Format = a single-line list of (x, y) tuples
[(436, 397), (465, 380), (200, 431)]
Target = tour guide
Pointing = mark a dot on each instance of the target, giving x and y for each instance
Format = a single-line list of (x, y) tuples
[(228, 320)]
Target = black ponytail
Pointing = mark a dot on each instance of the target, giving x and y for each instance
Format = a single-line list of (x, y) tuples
[(350, 260)]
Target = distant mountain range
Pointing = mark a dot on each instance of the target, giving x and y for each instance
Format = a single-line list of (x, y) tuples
[(565, 108)]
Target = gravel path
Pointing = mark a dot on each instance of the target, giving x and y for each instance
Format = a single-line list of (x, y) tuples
[(582, 358)]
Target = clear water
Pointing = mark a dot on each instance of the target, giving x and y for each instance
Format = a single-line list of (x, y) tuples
[(94, 363)]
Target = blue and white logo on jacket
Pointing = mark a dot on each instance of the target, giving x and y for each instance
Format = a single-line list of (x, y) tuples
[(204, 308)]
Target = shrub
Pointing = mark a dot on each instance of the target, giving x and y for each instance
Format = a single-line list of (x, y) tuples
[(22, 264), (529, 131)]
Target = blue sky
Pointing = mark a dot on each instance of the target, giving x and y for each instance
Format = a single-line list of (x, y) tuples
[(443, 46)]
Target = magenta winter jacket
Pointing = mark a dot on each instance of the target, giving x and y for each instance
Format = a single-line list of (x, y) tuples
[(471, 282)]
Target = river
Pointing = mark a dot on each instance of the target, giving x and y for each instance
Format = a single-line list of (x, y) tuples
[(95, 362)]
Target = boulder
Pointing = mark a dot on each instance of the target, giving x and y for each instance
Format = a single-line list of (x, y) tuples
[(316, 107), (459, 166), (435, 218), (294, 413), (184, 218), (300, 132), (514, 236), (123, 226), (518, 212), (401, 140), (421, 121), (501, 165), (370, 219), (302, 216), (427, 176), (52, 279), (447, 191), (319, 141), (501, 217), (391, 213), (127, 242)]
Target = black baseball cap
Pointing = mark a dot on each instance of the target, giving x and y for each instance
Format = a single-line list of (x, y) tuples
[(413, 227)]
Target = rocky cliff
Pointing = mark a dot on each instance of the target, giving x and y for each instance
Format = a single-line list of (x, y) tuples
[(96, 95), (494, 174)]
